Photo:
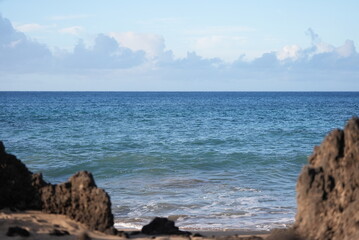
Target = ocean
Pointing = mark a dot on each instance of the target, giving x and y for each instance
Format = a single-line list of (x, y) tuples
[(208, 160)]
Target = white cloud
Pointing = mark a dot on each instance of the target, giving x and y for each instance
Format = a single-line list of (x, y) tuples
[(74, 30), (152, 44), (14, 43), (347, 50), (104, 54), (20, 54), (323, 47), (226, 42), (320, 47), (224, 47), (289, 52), (318, 44), (30, 27), (120, 64)]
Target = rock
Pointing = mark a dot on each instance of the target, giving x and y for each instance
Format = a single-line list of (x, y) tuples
[(16, 189), (328, 188), (161, 226), (17, 231), (81, 200), (197, 235), (57, 232), (83, 236), (2, 149)]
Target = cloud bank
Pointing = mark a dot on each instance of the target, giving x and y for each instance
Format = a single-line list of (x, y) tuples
[(20, 54), (106, 53), (138, 61)]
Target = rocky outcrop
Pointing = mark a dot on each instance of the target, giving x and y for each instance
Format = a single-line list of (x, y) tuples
[(79, 198), (17, 231), (328, 188), (162, 226), (16, 189)]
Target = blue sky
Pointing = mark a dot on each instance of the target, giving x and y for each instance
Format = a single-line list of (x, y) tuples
[(179, 45)]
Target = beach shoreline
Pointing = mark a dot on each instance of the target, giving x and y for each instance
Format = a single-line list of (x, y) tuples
[(44, 226), (214, 233), (332, 166)]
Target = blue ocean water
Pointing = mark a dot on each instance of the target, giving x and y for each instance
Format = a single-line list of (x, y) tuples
[(216, 160)]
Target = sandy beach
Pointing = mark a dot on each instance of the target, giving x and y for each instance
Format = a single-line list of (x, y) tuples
[(46, 226), (43, 226)]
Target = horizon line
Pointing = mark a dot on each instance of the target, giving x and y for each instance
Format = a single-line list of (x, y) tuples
[(182, 91)]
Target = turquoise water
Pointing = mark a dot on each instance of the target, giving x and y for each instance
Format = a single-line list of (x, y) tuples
[(207, 160)]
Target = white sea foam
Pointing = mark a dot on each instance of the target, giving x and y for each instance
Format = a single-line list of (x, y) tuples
[(127, 225)]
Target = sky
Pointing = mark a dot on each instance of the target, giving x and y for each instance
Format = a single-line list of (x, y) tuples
[(187, 45)]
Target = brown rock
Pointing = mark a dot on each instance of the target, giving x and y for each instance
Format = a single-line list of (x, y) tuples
[(81, 200), (328, 188)]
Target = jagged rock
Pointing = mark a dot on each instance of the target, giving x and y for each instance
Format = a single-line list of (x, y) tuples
[(328, 188), (16, 189), (79, 198), (160, 226)]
